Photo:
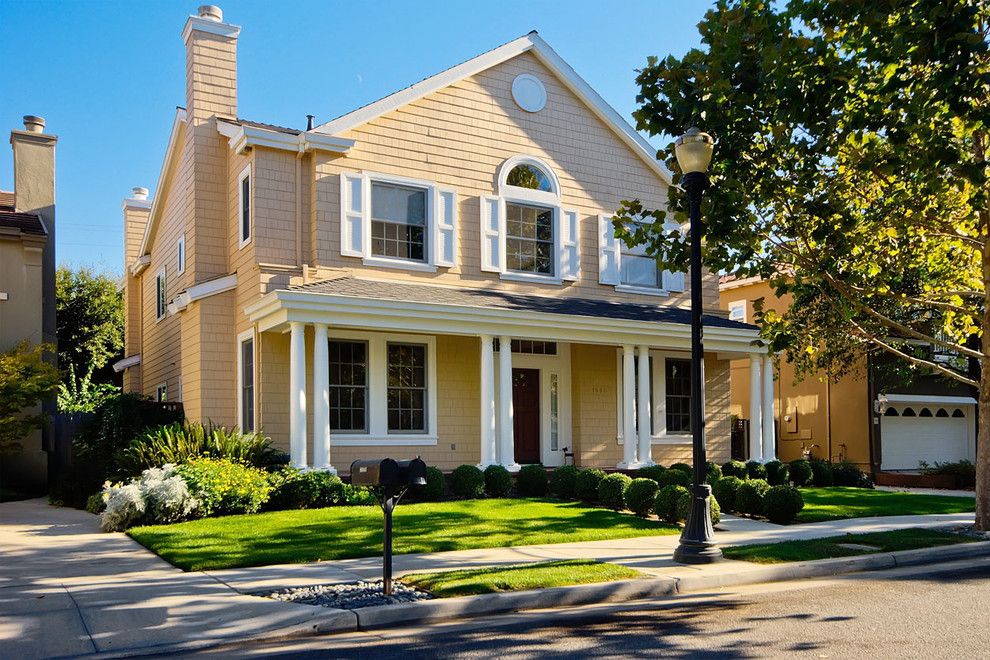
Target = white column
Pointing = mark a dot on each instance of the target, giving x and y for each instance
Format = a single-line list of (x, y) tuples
[(769, 451), (297, 394), (643, 412), (488, 439), (507, 450), (321, 399), (755, 408), (629, 438)]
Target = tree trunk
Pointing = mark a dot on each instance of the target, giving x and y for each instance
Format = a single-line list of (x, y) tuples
[(983, 449)]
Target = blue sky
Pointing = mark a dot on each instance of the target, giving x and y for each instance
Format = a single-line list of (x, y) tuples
[(107, 75)]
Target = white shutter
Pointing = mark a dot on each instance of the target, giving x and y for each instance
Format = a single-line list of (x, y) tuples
[(491, 234), (608, 252), (352, 215), (445, 236), (570, 257), (673, 281)]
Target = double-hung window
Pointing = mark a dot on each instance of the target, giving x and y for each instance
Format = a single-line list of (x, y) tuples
[(677, 395), (246, 378), (161, 302), (529, 239), (670, 396), (398, 222), (244, 207), (348, 386), (406, 378)]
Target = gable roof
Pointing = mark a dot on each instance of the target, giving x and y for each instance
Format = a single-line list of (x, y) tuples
[(172, 152), (530, 43)]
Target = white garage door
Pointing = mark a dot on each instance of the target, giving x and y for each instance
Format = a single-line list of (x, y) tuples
[(929, 432)]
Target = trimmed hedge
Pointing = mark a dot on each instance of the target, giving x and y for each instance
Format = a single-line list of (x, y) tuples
[(498, 481), (735, 469), (750, 498), (562, 481), (641, 496), (714, 472), (532, 481), (822, 473), (467, 481), (674, 477), (665, 505), (684, 508), (777, 473), (295, 489), (756, 470), (724, 490), (612, 491), (586, 484), (801, 472), (847, 474), (653, 472), (683, 467), (782, 504)]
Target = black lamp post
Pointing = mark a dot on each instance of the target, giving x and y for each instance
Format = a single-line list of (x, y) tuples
[(697, 546)]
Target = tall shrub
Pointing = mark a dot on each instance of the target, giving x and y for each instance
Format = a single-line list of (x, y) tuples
[(498, 481), (563, 481), (612, 491), (586, 484)]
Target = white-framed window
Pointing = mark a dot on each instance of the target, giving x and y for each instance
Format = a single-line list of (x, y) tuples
[(180, 254), (246, 377), (161, 392), (161, 292), (629, 269), (637, 269), (398, 222), (526, 234), (670, 396), (245, 209), (737, 311), (383, 389)]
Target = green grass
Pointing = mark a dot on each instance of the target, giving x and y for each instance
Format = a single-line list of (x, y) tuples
[(284, 537), (836, 503), (902, 539), (520, 577)]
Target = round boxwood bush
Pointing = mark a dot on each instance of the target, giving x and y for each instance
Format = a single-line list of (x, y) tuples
[(714, 472), (295, 489), (801, 472), (777, 473), (782, 504), (665, 505), (651, 472), (562, 481), (641, 495), (756, 470), (847, 474), (674, 477), (467, 481), (498, 481), (683, 467), (750, 497), (684, 508), (532, 481), (612, 491), (435, 488), (725, 490), (822, 473), (586, 484), (735, 469)]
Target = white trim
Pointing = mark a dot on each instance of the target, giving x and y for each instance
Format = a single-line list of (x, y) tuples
[(544, 53), (737, 283), (517, 196), (241, 338), (127, 363), (139, 264), (401, 264), (161, 391), (522, 99), (164, 178), (929, 398), (200, 24), (736, 305), (547, 365), (642, 290), (203, 290), (515, 276), (538, 196), (180, 254), (245, 174), (161, 296), (241, 138), (658, 411)]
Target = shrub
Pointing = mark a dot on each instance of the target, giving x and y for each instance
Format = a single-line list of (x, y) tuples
[(683, 467), (498, 481), (641, 495), (159, 495), (586, 484), (756, 470), (782, 504), (674, 477), (714, 472), (735, 469), (433, 490), (665, 505), (467, 481), (612, 491), (224, 487), (847, 474), (801, 472), (750, 497), (359, 496), (822, 473), (653, 472), (95, 503), (684, 507), (563, 480), (532, 481), (294, 489), (179, 443), (777, 473), (964, 471), (725, 490)]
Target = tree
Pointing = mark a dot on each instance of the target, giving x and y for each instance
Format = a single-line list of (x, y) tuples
[(26, 378), (90, 321), (850, 170)]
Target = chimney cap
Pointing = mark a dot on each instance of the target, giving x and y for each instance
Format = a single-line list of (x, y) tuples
[(34, 124), (210, 12), (139, 192)]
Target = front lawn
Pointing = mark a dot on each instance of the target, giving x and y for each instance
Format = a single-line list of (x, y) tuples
[(901, 539), (286, 537), (837, 503), (519, 577)]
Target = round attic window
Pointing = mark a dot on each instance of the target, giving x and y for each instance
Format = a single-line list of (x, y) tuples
[(529, 93)]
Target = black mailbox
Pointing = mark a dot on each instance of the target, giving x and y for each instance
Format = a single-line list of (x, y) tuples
[(389, 473)]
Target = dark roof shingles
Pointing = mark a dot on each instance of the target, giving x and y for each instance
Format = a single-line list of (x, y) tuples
[(27, 223)]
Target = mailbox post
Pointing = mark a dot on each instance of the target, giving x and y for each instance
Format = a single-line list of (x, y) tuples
[(390, 479)]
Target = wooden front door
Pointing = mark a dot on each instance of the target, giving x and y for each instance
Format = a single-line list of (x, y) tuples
[(526, 414)]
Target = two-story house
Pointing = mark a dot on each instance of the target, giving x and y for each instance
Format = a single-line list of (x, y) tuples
[(432, 274)]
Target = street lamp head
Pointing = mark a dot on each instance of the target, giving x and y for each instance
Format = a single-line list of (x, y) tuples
[(694, 150)]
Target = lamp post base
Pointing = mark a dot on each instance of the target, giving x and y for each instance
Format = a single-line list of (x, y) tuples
[(697, 544)]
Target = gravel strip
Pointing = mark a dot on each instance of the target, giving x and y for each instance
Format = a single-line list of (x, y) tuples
[(968, 530), (349, 596)]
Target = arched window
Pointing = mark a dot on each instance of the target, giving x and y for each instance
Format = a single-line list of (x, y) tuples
[(526, 175), (941, 412), (909, 412), (529, 178), (925, 412)]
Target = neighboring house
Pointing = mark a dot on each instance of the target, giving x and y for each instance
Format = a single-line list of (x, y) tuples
[(27, 274), (433, 274), (877, 422)]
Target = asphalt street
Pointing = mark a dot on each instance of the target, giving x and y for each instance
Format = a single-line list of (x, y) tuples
[(924, 612)]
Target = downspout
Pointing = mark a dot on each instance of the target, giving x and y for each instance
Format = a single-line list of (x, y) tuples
[(299, 216)]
